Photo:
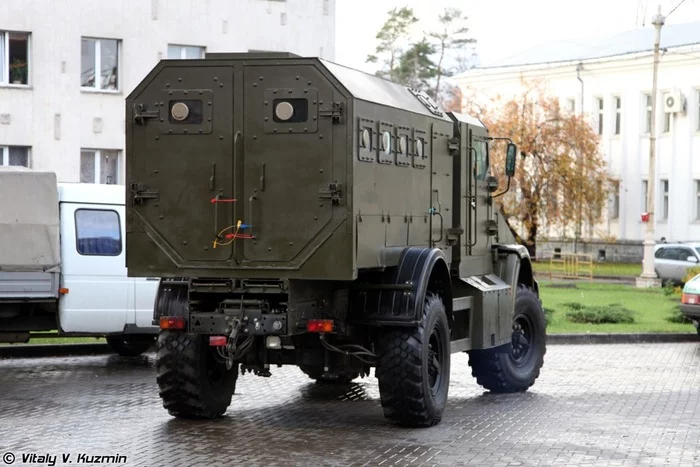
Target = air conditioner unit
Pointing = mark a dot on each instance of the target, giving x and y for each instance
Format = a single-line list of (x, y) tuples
[(674, 102)]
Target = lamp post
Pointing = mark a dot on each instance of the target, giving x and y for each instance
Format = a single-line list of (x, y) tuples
[(648, 278)]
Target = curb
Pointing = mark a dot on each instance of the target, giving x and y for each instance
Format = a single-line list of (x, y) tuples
[(55, 350), (560, 339)]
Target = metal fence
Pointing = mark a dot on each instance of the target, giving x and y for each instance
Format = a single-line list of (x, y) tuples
[(571, 266)]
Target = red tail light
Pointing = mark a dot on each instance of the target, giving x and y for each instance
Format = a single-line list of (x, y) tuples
[(172, 322), (319, 325), (218, 341), (690, 299)]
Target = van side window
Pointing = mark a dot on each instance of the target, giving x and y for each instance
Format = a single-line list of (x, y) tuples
[(480, 159), (98, 232)]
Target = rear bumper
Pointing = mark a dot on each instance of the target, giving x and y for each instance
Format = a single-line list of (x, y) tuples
[(691, 311)]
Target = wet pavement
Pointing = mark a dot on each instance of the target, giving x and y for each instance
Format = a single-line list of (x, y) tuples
[(635, 404)]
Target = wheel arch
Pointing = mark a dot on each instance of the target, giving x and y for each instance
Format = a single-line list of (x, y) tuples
[(171, 298)]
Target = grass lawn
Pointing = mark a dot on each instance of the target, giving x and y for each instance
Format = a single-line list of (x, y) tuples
[(543, 268), (650, 307), (61, 340)]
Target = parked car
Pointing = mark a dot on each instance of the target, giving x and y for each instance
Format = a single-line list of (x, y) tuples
[(690, 301), (672, 260)]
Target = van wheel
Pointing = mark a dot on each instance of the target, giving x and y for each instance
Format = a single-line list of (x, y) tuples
[(517, 369), (193, 382), (131, 345), (414, 368)]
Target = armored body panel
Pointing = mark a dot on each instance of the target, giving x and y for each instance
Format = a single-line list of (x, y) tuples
[(329, 170)]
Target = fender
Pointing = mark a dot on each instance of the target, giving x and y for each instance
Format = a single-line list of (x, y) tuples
[(171, 299), (398, 298), (505, 269)]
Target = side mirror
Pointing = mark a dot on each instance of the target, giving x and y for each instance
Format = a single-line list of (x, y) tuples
[(511, 155), (692, 259)]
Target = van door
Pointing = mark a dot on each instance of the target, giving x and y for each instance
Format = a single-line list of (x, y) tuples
[(94, 268), (145, 290)]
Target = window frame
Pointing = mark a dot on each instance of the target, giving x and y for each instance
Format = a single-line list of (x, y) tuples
[(77, 232), (697, 199), (647, 105), (487, 168), (5, 77), (618, 114), (5, 156), (97, 153), (98, 61), (615, 202), (183, 47), (645, 193), (600, 109), (664, 191)]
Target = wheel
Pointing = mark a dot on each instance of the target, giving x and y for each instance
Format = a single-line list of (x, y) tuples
[(131, 345), (317, 373), (414, 368), (516, 370), (192, 382)]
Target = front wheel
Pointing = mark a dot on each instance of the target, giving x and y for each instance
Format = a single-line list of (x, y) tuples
[(414, 368), (517, 369), (193, 382)]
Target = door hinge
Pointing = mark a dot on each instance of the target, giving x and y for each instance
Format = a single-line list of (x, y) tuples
[(333, 193), (141, 192), (141, 114), (335, 113), (453, 235)]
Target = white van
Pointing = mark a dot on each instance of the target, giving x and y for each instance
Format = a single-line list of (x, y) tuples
[(62, 263)]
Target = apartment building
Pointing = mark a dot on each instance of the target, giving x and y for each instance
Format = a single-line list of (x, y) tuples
[(66, 67)]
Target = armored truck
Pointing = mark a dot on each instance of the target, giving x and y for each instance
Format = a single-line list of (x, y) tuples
[(300, 212)]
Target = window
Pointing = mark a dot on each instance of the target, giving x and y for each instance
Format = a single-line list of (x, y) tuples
[(99, 166), (98, 232), (645, 191), (185, 52), (664, 199), (615, 204), (618, 116), (571, 105), (14, 155), (647, 103), (326, 7), (667, 122), (697, 199), (600, 115), (697, 95), (99, 64), (480, 160), (14, 58)]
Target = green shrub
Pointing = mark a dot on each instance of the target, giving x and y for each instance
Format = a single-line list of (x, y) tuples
[(678, 317), (613, 313), (573, 305), (690, 273), (548, 315)]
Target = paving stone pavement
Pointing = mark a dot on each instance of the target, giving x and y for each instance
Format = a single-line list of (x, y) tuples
[(635, 404)]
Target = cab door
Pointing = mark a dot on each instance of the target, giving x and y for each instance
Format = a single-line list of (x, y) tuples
[(94, 269)]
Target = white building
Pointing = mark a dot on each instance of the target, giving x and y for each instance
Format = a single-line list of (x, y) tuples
[(58, 114), (614, 89)]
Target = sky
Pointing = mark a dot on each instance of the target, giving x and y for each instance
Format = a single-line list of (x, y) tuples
[(503, 27)]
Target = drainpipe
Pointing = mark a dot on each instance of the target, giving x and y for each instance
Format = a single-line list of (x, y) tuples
[(577, 234)]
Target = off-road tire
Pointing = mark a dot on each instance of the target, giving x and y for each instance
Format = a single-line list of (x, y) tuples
[(316, 373), (512, 371), (409, 394), (131, 345), (191, 382)]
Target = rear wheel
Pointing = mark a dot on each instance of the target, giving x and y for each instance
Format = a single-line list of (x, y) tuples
[(517, 369), (192, 382), (414, 368), (131, 345)]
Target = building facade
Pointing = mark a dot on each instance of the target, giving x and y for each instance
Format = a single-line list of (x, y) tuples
[(66, 67), (609, 80)]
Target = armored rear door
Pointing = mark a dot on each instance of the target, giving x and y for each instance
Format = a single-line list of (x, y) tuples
[(183, 191), (293, 168)]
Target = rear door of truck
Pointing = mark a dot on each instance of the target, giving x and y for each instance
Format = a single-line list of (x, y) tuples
[(94, 268)]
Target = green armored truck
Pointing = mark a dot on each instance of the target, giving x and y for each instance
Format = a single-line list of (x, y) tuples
[(303, 213)]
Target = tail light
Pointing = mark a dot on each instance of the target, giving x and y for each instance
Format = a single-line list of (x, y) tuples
[(319, 325), (172, 322), (690, 299), (218, 341)]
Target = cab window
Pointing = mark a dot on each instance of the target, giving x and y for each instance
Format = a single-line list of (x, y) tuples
[(480, 159), (98, 232)]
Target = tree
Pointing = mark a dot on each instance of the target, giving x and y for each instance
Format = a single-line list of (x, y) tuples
[(392, 36), (452, 36), (562, 177), (416, 68)]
